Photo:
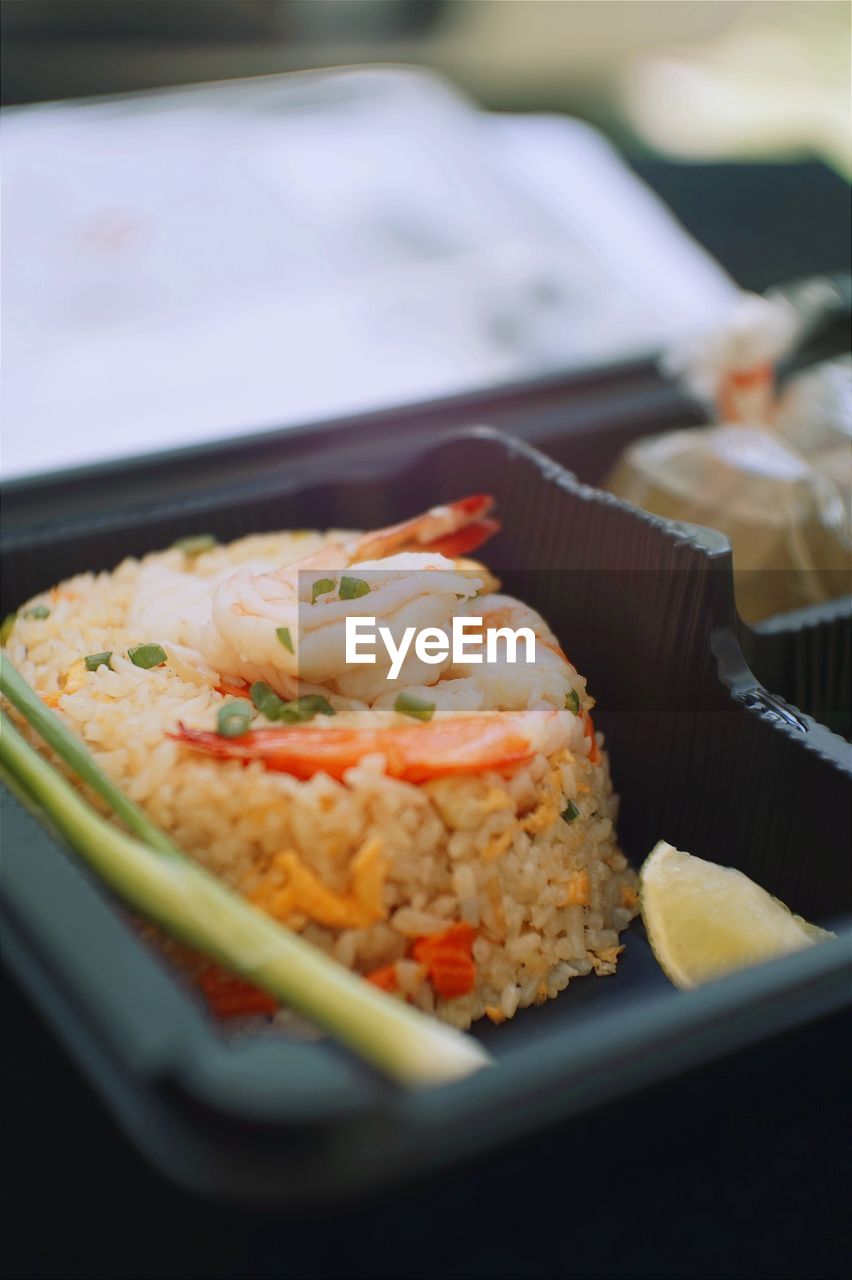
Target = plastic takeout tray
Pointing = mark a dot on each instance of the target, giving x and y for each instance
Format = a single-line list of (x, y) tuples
[(701, 756)]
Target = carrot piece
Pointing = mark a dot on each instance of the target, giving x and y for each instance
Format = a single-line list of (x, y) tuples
[(452, 975), (231, 997), (385, 978), (594, 753), (448, 961), (458, 937)]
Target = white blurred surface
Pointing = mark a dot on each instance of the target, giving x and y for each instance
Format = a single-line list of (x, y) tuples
[(187, 265)]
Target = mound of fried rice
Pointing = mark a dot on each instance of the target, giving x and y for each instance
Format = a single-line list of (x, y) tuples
[(365, 866)]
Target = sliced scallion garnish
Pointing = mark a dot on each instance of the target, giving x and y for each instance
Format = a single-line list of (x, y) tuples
[(38, 612), (305, 708), (196, 543), (407, 705), (232, 719), (147, 656), (283, 634), (572, 702), (296, 712), (266, 700), (570, 812), (95, 660), (352, 588), (321, 587)]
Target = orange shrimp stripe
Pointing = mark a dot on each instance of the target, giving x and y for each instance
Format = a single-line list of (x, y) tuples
[(413, 753)]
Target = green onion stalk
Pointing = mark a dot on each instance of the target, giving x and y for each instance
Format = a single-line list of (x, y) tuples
[(156, 879)]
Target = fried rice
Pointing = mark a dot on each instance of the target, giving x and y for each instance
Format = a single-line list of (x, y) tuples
[(366, 866)]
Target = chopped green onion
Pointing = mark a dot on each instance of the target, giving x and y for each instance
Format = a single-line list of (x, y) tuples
[(321, 587), (38, 612), (352, 588), (147, 655), (195, 907), (283, 634), (196, 543), (95, 660), (572, 702), (571, 812), (296, 712), (266, 700), (232, 719), (7, 626), (407, 705), (305, 708)]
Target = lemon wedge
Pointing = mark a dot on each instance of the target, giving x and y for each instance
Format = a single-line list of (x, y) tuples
[(704, 920)]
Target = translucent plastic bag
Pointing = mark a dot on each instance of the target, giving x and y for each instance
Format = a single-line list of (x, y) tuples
[(775, 475)]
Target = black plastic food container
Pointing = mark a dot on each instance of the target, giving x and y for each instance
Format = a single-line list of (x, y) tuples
[(700, 754)]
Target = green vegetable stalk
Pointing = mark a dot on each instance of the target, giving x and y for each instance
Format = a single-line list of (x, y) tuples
[(195, 907)]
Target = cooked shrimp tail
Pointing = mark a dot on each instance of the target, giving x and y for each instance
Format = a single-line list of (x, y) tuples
[(461, 543), (428, 531)]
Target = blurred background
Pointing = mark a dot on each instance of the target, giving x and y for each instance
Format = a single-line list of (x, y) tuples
[(754, 78), (699, 79), (448, 195)]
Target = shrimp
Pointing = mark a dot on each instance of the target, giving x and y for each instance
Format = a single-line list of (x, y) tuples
[(287, 625), (443, 747), (506, 682), (552, 679), (549, 680)]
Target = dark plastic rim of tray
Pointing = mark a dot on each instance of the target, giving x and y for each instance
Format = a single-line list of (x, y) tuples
[(544, 412), (167, 1036)]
